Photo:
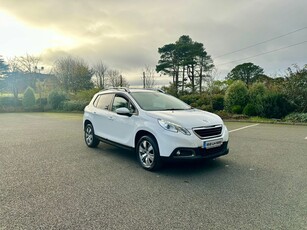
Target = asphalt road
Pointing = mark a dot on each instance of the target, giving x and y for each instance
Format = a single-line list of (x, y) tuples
[(49, 179)]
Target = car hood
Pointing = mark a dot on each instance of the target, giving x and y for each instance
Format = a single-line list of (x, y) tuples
[(187, 118)]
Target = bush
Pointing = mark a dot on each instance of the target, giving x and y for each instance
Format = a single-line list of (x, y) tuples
[(256, 90), (275, 105), (191, 98), (256, 95), (85, 95), (56, 99), (296, 117), (236, 109), (223, 114), (42, 101), (250, 110), (236, 97), (218, 102), (74, 105), (28, 100), (196, 100), (10, 102), (206, 108)]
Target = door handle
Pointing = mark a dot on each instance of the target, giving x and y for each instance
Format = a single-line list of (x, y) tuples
[(110, 118)]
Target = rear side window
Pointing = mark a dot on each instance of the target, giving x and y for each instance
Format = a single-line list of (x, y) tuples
[(103, 101)]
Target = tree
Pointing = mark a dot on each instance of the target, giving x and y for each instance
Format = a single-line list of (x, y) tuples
[(168, 63), (148, 77), (3, 68), (295, 87), (186, 62), (28, 100), (3, 73), (246, 72), (100, 71), (22, 73), (236, 97), (27, 63), (255, 106), (115, 79), (73, 74)]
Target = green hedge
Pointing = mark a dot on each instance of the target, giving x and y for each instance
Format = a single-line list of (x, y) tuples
[(10, 101), (236, 97), (296, 117), (74, 105), (28, 100), (56, 99)]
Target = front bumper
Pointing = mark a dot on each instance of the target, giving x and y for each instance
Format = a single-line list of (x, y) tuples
[(200, 153)]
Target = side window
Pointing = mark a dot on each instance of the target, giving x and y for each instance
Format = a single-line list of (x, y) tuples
[(103, 101), (120, 102)]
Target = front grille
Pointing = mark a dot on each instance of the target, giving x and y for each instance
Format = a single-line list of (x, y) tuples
[(207, 132)]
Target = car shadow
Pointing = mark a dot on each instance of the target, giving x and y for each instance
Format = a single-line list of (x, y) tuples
[(128, 155), (169, 167), (192, 167)]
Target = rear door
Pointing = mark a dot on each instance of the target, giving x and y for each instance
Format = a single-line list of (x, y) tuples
[(102, 114)]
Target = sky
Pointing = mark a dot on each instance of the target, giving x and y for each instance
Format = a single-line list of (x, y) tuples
[(126, 34)]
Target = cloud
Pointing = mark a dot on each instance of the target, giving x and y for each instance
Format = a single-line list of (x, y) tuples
[(127, 34)]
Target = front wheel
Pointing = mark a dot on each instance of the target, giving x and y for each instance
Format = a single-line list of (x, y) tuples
[(148, 153), (89, 136)]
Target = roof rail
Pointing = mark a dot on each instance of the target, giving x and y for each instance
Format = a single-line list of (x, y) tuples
[(128, 89), (155, 89), (160, 90), (120, 88)]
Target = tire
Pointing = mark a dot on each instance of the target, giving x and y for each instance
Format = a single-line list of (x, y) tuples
[(89, 136), (148, 153)]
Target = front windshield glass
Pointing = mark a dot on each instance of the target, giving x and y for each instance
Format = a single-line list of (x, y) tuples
[(156, 101)]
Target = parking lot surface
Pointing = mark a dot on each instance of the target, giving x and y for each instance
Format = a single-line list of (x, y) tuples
[(49, 179)]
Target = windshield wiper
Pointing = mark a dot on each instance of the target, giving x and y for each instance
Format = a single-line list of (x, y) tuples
[(172, 109)]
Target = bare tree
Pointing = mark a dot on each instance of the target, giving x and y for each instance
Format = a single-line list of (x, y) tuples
[(115, 79), (210, 80), (22, 73), (148, 77), (27, 63), (100, 71), (73, 74)]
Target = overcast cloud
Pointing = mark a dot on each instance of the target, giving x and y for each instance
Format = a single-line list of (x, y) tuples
[(127, 34)]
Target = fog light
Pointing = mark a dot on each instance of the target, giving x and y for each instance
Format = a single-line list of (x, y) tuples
[(178, 153)]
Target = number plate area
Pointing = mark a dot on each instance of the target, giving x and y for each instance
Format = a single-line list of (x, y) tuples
[(212, 144)]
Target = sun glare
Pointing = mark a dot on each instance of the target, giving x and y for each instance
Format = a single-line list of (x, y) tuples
[(18, 38)]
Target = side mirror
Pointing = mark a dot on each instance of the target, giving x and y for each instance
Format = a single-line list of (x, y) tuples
[(123, 111)]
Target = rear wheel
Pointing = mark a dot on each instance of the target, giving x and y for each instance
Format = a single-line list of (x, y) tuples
[(148, 153), (89, 136)]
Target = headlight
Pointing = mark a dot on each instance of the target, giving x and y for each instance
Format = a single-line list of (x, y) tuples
[(173, 127)]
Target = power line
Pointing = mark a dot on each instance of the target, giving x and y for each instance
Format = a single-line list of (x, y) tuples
[(259, 43), (260, 54)]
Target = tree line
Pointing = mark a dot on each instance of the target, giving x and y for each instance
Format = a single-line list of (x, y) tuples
[(190, 68), (246, 89)]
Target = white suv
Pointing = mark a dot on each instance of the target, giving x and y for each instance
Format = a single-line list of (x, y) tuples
[(155, 124)]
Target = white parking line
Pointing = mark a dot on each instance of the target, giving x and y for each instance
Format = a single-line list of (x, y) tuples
[(245, 127)]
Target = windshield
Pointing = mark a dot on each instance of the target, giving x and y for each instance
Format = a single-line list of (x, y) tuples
[(156, 101)]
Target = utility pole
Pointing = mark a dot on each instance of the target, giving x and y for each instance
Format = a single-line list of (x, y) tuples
[(144, 80), (121, 80)]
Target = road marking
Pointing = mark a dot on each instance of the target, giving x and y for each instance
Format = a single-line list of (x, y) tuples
[(305, 138), (245, 127)]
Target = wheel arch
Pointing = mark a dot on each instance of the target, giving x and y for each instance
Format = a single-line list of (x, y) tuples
[(86, 122), (142, 133)]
